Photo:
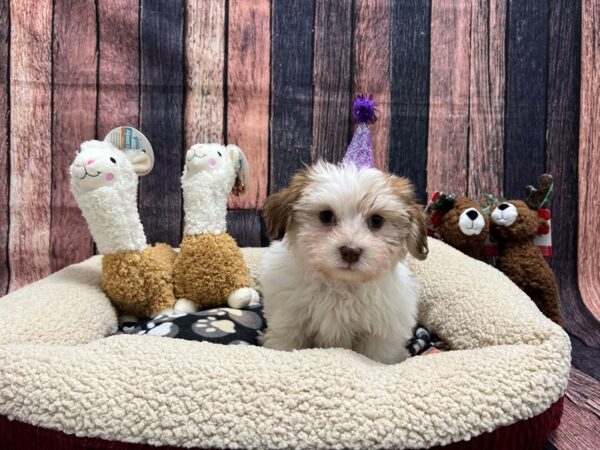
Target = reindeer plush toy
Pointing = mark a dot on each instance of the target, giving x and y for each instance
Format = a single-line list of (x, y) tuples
[(515, 224)]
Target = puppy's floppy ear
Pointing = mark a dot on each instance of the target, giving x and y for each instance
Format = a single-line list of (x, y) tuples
[(279, 206), (416, 241)]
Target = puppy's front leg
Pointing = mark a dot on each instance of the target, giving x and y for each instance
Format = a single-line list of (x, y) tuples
[(286, 339), (390, 350)]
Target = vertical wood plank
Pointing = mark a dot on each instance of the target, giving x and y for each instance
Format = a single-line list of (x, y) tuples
[(291, 89), (447, 160), (589, 158), (332, 75), (526, 78), (204, 44), (247, 228), (30, 138), (372, 67), (119, 64), (486, 98), (409, 93), (74, 120), (248, 69), (562, 148), (4, 143), (161, 117)]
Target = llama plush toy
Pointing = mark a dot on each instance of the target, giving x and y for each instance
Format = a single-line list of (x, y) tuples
[(136, 277), (210, 269)]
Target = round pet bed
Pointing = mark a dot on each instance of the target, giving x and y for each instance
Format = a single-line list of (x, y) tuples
[(64, 384)]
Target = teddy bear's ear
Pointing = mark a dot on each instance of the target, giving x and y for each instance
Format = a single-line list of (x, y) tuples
[(241, 167)]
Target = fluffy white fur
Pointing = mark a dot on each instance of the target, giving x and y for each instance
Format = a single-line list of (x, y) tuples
[(312, 296), (208, 177), (104, 182)]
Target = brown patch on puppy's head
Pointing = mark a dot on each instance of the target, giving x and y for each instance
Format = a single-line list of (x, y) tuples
[(416, 241), (278, 209)]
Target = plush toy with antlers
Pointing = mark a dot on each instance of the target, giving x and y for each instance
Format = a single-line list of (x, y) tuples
[(515, 225), (459, 221)]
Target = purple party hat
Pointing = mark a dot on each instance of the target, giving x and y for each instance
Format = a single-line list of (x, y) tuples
[(360, 150)]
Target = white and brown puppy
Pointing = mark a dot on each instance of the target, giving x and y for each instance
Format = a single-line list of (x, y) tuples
[(336, 276)]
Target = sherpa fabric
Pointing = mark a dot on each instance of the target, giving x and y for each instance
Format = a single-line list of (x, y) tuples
[(509, 363)]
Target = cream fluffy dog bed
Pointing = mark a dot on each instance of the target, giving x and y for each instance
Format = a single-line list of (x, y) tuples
[(58, 370)]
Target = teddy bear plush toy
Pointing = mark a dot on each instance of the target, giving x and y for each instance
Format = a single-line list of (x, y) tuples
[(210, 269), (514, 226), (136, 277), (459, 221)]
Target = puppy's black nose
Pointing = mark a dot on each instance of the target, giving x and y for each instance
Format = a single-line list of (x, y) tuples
[(502, 206), (350, 254), (472, 214)]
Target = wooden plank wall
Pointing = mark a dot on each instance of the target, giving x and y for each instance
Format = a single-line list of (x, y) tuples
[(473, 96)]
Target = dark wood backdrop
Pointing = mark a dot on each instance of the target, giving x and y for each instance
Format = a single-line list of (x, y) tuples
[(474, 96)]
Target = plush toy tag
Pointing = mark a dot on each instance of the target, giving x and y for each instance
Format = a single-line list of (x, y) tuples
[(129, 139)]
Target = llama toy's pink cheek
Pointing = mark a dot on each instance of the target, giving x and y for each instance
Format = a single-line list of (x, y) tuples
[(109, 176), (212, 162)]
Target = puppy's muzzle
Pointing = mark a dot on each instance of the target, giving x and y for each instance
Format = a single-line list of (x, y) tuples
[(350, 254)]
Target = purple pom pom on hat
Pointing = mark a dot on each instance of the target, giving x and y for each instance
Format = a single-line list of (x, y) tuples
[(360, 150)]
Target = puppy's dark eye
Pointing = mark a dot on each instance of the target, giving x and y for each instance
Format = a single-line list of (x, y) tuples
[(219, 153), (375, 222), (113, 160), (327, 217)]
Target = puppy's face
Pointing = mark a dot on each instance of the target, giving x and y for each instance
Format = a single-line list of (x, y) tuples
[(348, 224)]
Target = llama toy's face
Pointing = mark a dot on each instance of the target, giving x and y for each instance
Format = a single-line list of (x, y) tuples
[(100, 164), (205, 157), (94, 168)]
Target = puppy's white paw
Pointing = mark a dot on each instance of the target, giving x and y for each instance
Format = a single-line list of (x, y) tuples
[(242, 298), (183, 305)]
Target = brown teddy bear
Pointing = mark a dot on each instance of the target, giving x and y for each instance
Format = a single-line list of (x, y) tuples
[(460, 222), (514, 226)]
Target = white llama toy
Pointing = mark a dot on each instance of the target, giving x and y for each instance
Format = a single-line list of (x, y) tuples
[(210, 269), (136, 277)]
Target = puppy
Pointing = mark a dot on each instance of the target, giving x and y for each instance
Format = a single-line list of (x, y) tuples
[(336, 276)]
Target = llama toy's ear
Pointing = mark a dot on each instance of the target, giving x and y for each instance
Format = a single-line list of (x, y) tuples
[(241, 167), (141, 162)]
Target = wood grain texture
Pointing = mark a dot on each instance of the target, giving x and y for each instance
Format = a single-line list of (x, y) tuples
[(204, 48), (372, 20), (30, 138), (332, 75), (247, 227), (585, 357), (74, 113), (526, 77), (589, 158), (291, 89), (581, 417), (562, 147), (248, 92), (447, 160), (119, 64), (161, 117), (4, 143), (486, 98), (409, 93)]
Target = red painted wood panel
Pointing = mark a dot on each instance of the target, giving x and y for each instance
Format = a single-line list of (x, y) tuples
[(332, 79), (248, 92), (30, 138), (118, 65), (449, 96), (204, 44), (589, 158), (74, 115), (486, 97), (372, 20), (4, 143)]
